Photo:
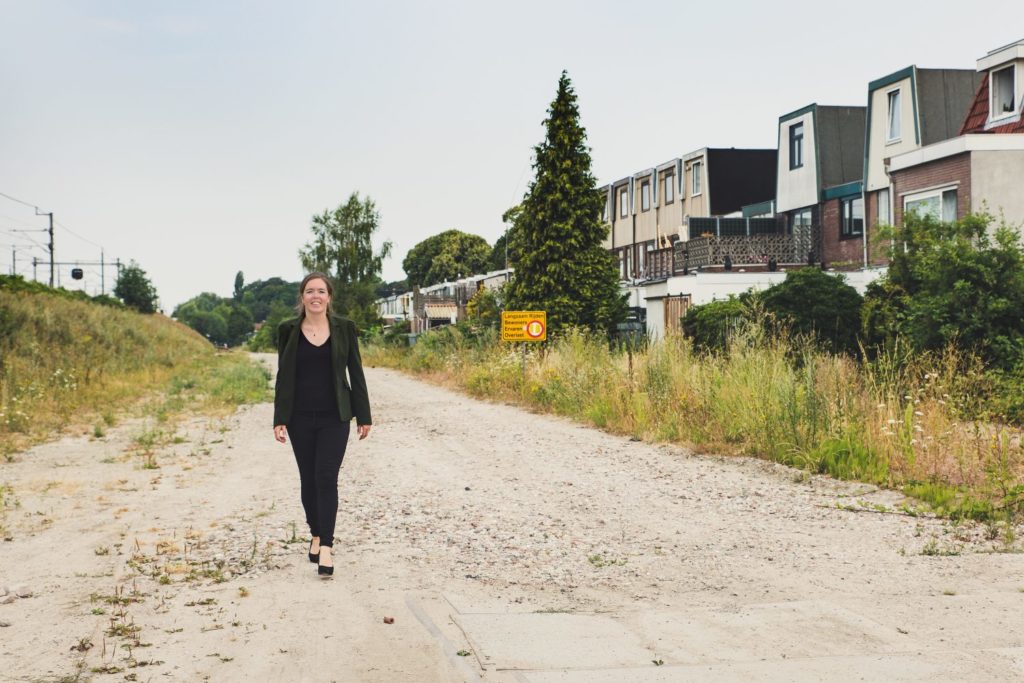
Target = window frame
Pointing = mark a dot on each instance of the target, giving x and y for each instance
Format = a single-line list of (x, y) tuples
[(669, 190), (624, 202), (937, 193), (799, 214), (696, 184), (645, 196), (885, 219), (796, 142), (846, 222), (992, 93), (890, 139)]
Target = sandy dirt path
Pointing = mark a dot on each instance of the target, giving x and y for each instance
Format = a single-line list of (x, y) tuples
[(507, 546)]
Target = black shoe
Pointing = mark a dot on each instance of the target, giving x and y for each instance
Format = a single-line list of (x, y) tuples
[(313, 557), (324, 570)]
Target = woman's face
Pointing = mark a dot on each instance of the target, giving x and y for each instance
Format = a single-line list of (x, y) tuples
[(315, 297)]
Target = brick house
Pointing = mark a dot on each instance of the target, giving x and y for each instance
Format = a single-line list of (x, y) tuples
[(981, 168), (908, 109), (820, 181), (650, 211)]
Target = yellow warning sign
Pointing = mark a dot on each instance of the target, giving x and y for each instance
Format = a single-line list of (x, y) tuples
[(524, 326)]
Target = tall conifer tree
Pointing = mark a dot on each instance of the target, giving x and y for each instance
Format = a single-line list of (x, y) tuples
[(561, 266)]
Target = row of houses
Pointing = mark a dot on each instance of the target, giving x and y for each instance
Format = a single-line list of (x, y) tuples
[(716, 221), (440, 304)]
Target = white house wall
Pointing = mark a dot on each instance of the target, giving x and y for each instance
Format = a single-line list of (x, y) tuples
[(996, 180), (704, 288), (879, 148), (798, 187)]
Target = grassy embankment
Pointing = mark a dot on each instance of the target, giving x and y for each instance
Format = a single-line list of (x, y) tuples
[(889, 423), (76, 365)]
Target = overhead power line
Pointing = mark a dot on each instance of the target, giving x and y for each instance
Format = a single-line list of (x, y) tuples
[(84, 239), (20, 201)]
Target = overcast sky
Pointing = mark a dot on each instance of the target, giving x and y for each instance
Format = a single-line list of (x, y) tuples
[(198, 138)]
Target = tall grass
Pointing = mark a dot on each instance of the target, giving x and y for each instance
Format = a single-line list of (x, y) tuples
[(892, 422), (75, 362)]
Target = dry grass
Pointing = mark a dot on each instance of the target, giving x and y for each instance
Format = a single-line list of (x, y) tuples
[(74, 364), (893, 422)]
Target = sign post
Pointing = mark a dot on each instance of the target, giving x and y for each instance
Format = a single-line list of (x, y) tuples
[(524, 326)]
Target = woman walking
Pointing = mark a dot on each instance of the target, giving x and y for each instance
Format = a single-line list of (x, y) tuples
[(314, 405)]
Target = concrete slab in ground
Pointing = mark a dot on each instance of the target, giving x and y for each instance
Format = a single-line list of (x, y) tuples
[(933, 668), (792, 641), (550, 641), (767, 631)]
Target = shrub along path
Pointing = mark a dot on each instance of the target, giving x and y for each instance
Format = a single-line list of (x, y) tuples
[(507, 546)]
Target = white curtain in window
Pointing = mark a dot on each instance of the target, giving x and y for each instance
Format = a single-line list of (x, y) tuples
[(949, 205), (894, 115), (883, 207)]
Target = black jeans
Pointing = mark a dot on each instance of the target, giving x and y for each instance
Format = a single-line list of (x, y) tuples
[(319, 440)]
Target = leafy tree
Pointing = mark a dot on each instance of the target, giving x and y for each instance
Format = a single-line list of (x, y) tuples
[(499, 255), (385, 289), (342, 247), (239, 324), (957, 283), (239, 285), (817, 304), (446, 256), (486, 305), (265, 338), (561, 265), (710, 325), (135, 290), (260, 296), (210, 325), (206, 301)]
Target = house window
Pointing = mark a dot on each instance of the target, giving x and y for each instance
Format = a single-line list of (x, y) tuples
[(939, 204), (622, 264), (623, 202), (892, 126), (695, 187), (852, 211), (1004, 101), (670, 187), (800, 220), (796, 145), (604, 209), (645, 195), (884, 217)]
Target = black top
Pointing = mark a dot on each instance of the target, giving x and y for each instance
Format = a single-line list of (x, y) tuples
[(314, 384)]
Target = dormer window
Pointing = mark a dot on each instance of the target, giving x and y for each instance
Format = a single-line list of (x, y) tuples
[(796, 145), (893, 120), (1003, 98)]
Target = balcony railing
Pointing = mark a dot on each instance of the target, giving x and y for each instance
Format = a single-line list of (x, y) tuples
[(755, 249), (735, 227)]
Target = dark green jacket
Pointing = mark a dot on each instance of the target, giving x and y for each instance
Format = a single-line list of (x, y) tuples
[(353, 401)]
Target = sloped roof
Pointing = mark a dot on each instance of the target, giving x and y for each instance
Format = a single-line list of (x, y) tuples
[(977, 117)]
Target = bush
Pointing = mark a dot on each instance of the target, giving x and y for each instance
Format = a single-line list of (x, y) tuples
[(957, 283), (818, 305), (711, 325)]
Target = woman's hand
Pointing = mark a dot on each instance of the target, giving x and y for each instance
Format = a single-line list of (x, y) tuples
[(281, 433), (364, 431)]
